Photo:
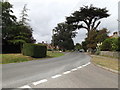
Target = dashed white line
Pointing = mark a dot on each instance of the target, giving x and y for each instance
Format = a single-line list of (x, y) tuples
[(45, 80), (25, 86), (41, 81), (56, 76), (86, 64), (66, 72), (79, 67), (74, 69)]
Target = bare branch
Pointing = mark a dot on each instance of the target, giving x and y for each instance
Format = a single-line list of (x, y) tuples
[(93, 24), (97, 24), (81, 26)]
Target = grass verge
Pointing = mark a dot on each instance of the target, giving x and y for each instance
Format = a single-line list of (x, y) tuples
[(16, 58), (51, 54), (106, 62)]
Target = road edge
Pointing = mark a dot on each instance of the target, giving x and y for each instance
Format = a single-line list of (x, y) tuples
[(108, 69)]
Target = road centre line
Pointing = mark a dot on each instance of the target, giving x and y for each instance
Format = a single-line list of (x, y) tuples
[(56, 76), (86, 64), (25, 86), (66, 72), (74, 69), (79, 67), (41, 81)]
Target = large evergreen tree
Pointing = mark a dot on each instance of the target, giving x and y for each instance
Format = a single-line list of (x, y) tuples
[(13, 33), (88, 17), (24, 31), (24, 16), (8, 21)]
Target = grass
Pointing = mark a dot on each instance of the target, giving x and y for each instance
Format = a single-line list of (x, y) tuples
[(16, 58), (54, 54), (110, 56), (106, 62)]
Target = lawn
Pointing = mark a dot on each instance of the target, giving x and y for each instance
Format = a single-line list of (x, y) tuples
[(54, 54), (111, 63), (16, 58)]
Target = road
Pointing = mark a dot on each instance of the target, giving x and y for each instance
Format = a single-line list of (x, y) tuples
[(86, 77), (26, 73), (19, 74)]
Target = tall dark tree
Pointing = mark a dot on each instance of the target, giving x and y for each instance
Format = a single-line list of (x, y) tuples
[(63, 36), (24, 31), (8, 21), (88, 17), (24, 15), (14, 34)]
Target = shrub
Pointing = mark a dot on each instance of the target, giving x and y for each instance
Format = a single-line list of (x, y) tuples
[(110, 44), (34, 50), (106, 45)]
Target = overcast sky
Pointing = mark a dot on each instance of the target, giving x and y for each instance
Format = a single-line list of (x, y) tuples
[(46, 14)]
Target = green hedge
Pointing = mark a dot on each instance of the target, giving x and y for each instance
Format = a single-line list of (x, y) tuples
[(34, 50)]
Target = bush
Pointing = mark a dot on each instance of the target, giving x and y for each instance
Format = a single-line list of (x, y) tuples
[(110, 44), (106, 45), (34, 50)]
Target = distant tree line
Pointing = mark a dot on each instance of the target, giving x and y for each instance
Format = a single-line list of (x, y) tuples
[(14, 33)]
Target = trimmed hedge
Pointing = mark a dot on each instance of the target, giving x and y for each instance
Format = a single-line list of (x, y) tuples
[(34, 50)]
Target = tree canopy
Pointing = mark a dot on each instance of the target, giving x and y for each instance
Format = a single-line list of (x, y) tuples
[(78, 46), (63, 36), (88, 17), (13, 32), (24, 16), (96, 36)]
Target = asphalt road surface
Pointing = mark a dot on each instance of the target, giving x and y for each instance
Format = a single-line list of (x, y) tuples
[(30, 74), (86, 77), (19, 74)]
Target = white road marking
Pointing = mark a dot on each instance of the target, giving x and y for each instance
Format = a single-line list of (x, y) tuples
[(74, 69), (83, 65), (25, 86), (66, 72), (86, 64), (45, 80), (41, 81), (79, 67), (56, 76)]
